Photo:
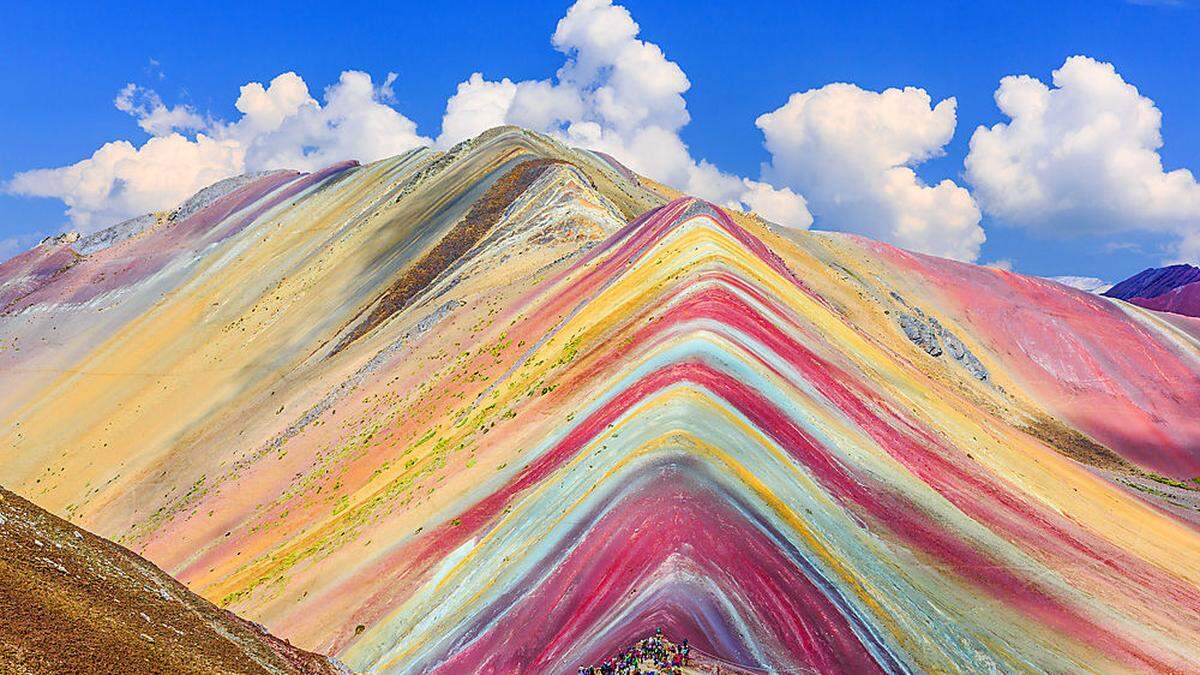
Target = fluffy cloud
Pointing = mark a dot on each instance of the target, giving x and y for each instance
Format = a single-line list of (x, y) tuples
[(620, 95), (850, 152), (1188, 247), (779, 205), (120, 180), (281, 126), (613, 93), (847, 152), (1082, 157), (477, 105)]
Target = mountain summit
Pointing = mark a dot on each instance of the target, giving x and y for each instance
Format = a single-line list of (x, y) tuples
[(513, 408)]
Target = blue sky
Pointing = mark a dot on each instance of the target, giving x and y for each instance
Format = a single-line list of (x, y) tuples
[(62, 66)]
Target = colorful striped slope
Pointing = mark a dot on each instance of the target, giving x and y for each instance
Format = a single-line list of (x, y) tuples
[(512, 407)]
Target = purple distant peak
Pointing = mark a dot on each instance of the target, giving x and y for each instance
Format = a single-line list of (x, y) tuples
[(1155, 281)]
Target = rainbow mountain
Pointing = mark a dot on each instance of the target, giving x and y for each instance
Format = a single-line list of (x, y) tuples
[(512, 407)]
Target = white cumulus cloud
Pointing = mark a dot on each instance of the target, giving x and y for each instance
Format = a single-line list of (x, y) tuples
[(846, 153), (1081, 156), (779, 205), (121, 180), (477, 105), (850, 152), (618, 94), (281, 126)]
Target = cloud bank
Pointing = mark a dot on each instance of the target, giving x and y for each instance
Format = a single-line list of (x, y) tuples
[(850, 152), (1078, 157), (618, 94), (614, 92), (281, 126), (1081, 157)]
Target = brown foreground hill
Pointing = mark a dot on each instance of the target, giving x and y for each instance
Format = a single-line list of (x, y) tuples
[(72, 602)]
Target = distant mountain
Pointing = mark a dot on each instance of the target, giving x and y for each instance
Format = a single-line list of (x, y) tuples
[(513, 407), (73, 602), (1153, 282), (1089, 284), (1179, 300), (1174, 289)]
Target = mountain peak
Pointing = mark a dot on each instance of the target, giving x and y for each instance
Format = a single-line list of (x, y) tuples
[(1154, 281), (511, 407)]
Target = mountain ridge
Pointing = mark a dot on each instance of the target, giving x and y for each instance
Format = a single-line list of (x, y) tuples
[(1154, 281), (572, 426)]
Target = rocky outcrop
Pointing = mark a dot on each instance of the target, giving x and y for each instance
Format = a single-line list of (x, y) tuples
[(217, 190), (928, 333), (921, 333), (960, 353), (111, 236)]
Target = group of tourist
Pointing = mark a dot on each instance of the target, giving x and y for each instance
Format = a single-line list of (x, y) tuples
[(654, 655)]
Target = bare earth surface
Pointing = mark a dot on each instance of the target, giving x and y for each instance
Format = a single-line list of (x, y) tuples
[(72, 602)]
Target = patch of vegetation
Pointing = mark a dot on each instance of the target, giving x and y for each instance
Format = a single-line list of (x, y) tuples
[(1076, 445), (1172, 482)]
